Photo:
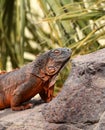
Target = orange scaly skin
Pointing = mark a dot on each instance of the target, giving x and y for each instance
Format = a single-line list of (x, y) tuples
[(39, 76), (2, 72)]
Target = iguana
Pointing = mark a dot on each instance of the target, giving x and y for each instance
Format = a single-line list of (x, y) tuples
[(38, 77)]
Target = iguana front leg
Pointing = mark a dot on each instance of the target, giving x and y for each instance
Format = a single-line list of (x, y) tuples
[(16, 103), (2, 97), (47, 94), (23, 93)]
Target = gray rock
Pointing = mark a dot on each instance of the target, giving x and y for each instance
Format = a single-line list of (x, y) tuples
[(30, 119), (62, 126), (2, 127), (101, 124), (82, 99)]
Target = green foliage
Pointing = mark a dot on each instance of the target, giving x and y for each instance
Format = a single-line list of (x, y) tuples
[(78, 24), (19, 33)]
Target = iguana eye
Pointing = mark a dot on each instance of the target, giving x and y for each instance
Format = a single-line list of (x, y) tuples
[(57, 51)]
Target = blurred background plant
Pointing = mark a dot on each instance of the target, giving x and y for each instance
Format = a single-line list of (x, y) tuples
[(30, 27)]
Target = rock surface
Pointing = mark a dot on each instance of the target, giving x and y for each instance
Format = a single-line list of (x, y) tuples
[(101, 124), (30, 119), (81, 103)]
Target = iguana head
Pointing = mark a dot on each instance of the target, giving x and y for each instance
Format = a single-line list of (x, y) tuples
[(57, 58), (51, 62)]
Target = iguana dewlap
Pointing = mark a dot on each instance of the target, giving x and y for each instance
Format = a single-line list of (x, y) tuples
[(39, 76)]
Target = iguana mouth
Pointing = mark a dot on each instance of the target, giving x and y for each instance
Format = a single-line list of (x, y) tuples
[(67, 60), (64, 63)]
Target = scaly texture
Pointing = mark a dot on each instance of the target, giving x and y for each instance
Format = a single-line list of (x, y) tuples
[(39, 76)]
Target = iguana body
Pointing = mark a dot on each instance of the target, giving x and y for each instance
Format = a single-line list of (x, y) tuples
[(20, 85)]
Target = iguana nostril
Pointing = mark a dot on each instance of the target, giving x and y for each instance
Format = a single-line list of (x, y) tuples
[(69, 50)]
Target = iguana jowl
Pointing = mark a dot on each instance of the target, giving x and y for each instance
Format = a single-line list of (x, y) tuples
[(39, 76)]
